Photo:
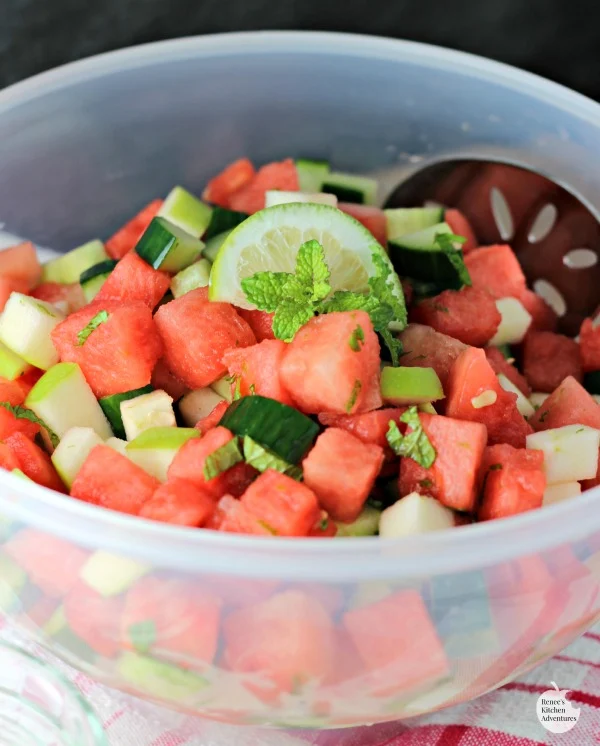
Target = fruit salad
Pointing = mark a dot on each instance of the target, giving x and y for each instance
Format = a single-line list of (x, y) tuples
[(281, 357)]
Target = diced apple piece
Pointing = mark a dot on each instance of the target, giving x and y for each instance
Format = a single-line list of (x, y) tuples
[(415, 514), (72, 451), (198, 404), (524, 406), (556, 493), (570, 452), (118, 445), (146, 411), (223, 388), (154, 449), (537, 398), (11, 364), (516, 320), (111, 574), (25, 328)]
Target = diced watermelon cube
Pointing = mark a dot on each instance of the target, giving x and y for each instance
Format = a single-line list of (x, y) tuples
[(405, 652), (426, 348), (470, 377), (497, 270), (127, 237), (233, 178), (9, 285), (53, 564), (373, 218), (284, 506), (175, 617), (324, 373), (34, 462), (260, 322), (164, 380), (8, 460), (21, 262), (55, 292), (205, 331), (234, 518), (278, 175), (286, 640), (112, 481), (256, 369), (454, 476), (460, 226), (469, 315), (13, 392), (213, 418), (548, 359), (135, 280), (501, 365), (370, 427), (9, 425), (543, 318), (569, 404), (179, 502), (589, 342), (120, 354), (95, 618), (513, 479), (324, 528), (341, 470)]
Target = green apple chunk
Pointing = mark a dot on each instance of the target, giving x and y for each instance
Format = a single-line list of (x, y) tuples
[(11, 364), (72, 451), (154, 449), (403, 385), (570, 452), (147, 411), (223, 388), (160, 680), (186, 211), (524, 406), (110, 574), (198, 404), (118, 445), (63, 399), (25, 328), (69, 267)]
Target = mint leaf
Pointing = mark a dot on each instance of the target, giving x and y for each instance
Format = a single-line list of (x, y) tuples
[(353, 396), (93, 324), (384, 292), (222, 459), (289, 317), (312, 271), (415, 444), (344, 300), (394, 437), (262, 459), (357, 339), (394, 345), (142, 635), (265, 290), (446, 243), (22, 413)]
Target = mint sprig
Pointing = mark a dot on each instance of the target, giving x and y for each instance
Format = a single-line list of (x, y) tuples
[(446, 242), (22, 413), (415, 444)]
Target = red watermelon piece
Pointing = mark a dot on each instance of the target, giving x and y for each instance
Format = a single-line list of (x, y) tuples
[(13, 392), (323, 373), (52, 564), (124, 240), (454, 476), (460, 226), (284, 506), (34, 462), (120, 354), (8, 460), (471, 376), (260, 322), (256, 369), (9, 285), (324, 528), (21, 263), (233, 178), (286, 641), (373, 218), (135, 280), (588, 484), (9, 425), (175, 618), (162, 378), (341, 470), (59, 293), (501, 365), (497, 270), (589, 342), (95, 618), (548, 359), (513, 481), (112, 481), (469, 315), (543, 318), (179, 502), (234, 518), (197, 333), (279, 175), (212, 420), (568, 404), (370, 427), (426, 348)]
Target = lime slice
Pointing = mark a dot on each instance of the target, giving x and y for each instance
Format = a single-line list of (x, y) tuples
[(270, 239)]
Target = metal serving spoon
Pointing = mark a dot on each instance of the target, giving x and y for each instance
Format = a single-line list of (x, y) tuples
[(555, 236)]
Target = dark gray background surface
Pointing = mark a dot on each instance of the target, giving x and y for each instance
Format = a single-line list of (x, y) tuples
[(556, 38)]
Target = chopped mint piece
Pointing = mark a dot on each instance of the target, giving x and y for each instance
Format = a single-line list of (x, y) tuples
[(354, 395), (415, 444), (94, 323), (446, 243), (357, 338), (142, 635), (22, 413), (265, 290), (222, 459), (262, 459)]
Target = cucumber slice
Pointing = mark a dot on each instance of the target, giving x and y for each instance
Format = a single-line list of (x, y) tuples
[(350, 188), (282, 429), (570, 452), (186, 212), (165, 246), (516, 320), (155, 448), (415, 514), (222, 387), (146, 411), (110, 574), (118, 445), (311, 174), (401, 386), (367, 524), (25, 328), (524, 406), (417, 255), (222, 221), (262, 459), (198, 404), (63, 399), (212, 246), (277, 197), (69, 267), (160, 680), (591, 381), (11, 364), (406, 220), (72, 451), (424, 289), (111, 406), (506, 352), (93, 278), (195, 276)]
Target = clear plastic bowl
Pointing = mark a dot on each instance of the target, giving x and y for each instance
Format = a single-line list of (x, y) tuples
[(305, 633)]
